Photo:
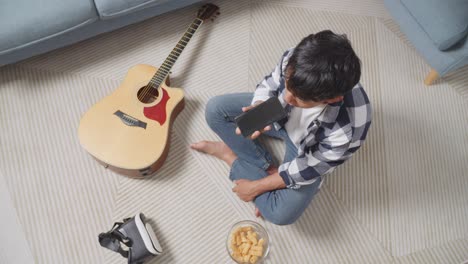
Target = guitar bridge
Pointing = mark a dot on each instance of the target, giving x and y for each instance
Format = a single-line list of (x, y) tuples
[(130, 120)]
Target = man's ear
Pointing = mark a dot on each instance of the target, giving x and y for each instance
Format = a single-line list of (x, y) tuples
[(334, 100)]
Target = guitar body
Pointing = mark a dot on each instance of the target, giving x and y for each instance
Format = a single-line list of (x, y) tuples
[(126, 135), (128, 131)]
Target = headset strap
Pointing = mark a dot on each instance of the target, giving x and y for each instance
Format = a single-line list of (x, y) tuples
[(113, 239)]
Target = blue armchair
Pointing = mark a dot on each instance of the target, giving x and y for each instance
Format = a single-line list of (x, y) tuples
[(438, 29)]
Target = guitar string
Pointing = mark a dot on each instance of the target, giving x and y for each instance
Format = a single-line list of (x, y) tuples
[(150, 84)]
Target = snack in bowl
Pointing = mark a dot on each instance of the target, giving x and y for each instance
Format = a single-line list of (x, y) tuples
[(247, 242)]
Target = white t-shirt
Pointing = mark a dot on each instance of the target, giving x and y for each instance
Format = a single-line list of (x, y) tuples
[(298, 121)]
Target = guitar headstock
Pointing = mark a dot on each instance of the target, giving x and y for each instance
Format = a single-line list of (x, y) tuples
[(208, 11)]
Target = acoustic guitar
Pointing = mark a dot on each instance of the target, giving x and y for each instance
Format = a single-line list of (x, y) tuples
[(128, 131)]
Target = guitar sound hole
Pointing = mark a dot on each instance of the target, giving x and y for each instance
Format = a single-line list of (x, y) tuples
[(147, 95)]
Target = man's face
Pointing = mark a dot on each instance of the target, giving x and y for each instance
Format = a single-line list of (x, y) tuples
[(294, 101)]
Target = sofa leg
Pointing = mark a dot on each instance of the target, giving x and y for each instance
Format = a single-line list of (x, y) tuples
[(431, 77)]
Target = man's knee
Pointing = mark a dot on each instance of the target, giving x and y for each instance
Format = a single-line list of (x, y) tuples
[(214, 109), (280, 217)]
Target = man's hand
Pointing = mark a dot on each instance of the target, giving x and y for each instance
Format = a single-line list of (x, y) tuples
[(255, 134), (246, 189)]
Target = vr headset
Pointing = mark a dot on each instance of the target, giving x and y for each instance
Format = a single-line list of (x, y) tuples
[(137, 236)]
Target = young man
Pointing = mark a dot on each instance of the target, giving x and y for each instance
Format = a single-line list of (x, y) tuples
[(329, 116)]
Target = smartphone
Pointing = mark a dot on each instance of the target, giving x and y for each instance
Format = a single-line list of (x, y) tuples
[(260, 116)]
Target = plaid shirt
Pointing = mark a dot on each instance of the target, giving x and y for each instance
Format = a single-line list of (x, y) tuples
[(331, 139)]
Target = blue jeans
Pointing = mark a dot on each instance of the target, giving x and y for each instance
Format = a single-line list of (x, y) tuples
[(281, 207)]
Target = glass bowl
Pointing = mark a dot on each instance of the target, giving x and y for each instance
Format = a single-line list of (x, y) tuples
[(261, 233)]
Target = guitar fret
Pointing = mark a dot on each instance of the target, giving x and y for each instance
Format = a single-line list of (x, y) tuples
[(167, 63), (167, 70), (158, 83), (158, 79), (161, 75)]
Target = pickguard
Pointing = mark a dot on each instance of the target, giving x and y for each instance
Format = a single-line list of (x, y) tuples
[(158, 112)]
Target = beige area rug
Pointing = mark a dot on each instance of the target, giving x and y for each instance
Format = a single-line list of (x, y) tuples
[(401, 199)]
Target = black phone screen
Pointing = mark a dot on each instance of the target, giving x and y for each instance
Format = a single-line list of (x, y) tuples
[(260, 116)]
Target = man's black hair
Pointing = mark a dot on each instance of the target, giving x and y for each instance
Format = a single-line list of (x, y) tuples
[(322, 66)]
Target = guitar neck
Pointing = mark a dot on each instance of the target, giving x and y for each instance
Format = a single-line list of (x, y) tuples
[(166, 66)]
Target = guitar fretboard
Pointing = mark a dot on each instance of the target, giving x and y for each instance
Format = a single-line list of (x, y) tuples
[(166, 66)]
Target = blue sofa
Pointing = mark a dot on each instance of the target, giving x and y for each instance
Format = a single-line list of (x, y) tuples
[(438, 29), (31, 27)]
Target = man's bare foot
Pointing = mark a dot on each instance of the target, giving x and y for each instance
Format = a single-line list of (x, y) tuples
[(257, 212), (216, 148), (272, 170)]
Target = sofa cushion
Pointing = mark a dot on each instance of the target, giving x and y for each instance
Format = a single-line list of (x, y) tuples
[(444, 21), (26, 22), (114, 8)]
